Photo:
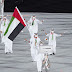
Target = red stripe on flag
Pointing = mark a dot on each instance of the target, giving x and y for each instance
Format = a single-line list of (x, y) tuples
[(17, 15)]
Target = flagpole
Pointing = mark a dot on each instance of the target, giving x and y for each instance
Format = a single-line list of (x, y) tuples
[(2, 8)]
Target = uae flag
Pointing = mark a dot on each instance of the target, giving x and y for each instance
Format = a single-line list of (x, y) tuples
[(17, 23)]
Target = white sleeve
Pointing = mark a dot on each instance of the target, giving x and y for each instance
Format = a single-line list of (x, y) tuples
[(38, 21), (29, 22), (2, 27), (7, 21), (31, 41), (39, 40), (47, 35), (57, 35)]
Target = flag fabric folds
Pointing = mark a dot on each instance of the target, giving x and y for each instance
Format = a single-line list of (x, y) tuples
[(17, 23)]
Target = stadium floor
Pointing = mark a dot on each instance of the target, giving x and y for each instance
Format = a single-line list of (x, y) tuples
[(20, 60)]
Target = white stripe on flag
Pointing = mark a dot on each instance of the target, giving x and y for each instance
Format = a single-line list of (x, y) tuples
[(12, 27)]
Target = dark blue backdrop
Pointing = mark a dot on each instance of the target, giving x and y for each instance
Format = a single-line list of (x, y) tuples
[(39, 5)]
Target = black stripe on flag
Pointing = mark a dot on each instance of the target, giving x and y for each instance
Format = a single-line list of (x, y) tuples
[(16, 31)]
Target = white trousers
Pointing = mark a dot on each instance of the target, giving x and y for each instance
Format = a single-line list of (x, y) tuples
[(8, 46), (33, 52), (39, 59), (31, 31), (2, 37), (54, 47)]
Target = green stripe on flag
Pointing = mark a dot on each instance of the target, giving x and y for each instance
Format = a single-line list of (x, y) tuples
[(9, 25)]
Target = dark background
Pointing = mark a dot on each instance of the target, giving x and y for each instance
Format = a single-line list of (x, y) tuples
[(50, 6)]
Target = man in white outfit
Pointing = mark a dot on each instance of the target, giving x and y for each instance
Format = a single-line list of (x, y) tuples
[(33, 25), (52, 40), (8, 45), (38, 57), (3, 25), (5, 40), (34, 43)]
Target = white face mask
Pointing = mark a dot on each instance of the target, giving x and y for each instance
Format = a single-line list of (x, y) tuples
[(4, 19), (52, 32), (33, 18), (36, 36)]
